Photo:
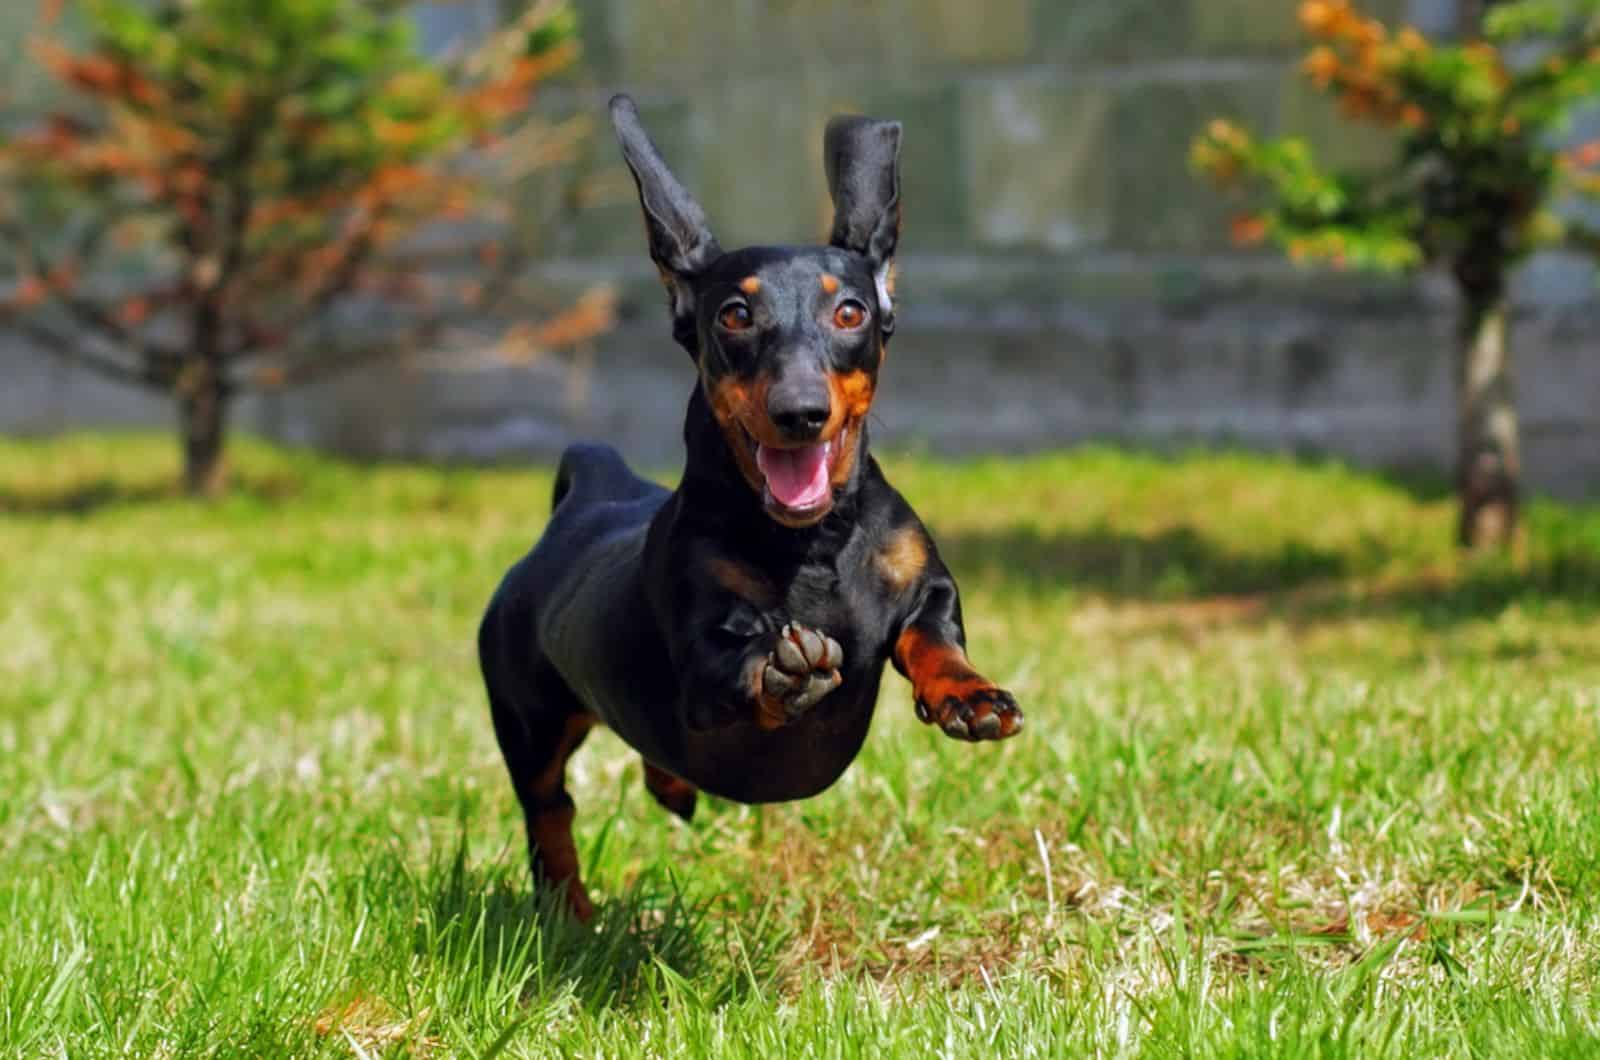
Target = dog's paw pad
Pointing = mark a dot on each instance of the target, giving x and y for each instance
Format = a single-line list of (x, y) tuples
[(802, 668), (978, 714)]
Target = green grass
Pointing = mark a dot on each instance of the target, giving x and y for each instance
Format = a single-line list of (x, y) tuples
[(1296, 781)]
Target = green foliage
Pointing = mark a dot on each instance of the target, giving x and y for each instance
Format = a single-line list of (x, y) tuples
[(1340, 217), (557, 30), (330, 92), (1510, 22), (1477, 174)]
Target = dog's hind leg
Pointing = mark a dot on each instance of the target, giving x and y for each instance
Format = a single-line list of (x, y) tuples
[(674, 793), (536, 741)]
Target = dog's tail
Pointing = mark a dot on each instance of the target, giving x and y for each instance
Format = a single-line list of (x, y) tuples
[(597, 470), (566, 471)]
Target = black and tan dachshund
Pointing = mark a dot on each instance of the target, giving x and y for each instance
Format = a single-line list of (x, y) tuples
[(734, 631)]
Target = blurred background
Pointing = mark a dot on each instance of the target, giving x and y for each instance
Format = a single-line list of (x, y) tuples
[(1064, 276)]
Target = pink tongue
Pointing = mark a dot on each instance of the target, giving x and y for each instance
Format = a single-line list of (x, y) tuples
[(798, 478)]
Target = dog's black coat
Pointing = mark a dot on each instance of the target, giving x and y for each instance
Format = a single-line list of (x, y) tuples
[(663, 614)]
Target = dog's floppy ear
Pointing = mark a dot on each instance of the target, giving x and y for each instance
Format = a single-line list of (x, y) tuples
[(862, 156), (681, 243)]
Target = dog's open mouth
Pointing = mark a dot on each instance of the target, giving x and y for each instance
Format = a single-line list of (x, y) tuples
[(795, 482), (798, 478)]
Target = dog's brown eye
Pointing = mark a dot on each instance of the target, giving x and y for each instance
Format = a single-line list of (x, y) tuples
[(735, 317), (850, 315)]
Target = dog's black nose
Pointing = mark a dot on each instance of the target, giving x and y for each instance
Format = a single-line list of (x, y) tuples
[(800, 408)]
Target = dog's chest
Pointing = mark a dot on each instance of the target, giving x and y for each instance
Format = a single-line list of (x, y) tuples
[(841, 599), (813, 595)]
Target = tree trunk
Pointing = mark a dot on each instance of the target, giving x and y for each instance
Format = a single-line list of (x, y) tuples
[(203, 404), (203, 412), (1488, 456), (204, 423)]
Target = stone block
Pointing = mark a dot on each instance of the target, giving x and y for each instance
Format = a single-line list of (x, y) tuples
[(760, 177), (1433, 17), (1098, 30), (1159, 202), (597, 37), (1245, 26), (990, 31), (680, 42), (1037, 163), (1249, 27), (800, 35), (710, 41)]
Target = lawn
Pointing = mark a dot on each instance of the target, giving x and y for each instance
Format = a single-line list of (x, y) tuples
[(1296, 781)]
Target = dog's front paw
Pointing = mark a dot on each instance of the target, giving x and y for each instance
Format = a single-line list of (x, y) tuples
[(976, 713), (802, 668)]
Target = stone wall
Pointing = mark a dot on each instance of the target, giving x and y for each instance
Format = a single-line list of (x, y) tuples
[(1062, 275)]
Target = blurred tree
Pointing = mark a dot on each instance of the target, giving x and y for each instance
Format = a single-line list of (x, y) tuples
[(1479, 184), (231, 188)]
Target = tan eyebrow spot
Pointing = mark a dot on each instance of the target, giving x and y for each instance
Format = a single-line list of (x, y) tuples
[(750, 284), (830, 283)]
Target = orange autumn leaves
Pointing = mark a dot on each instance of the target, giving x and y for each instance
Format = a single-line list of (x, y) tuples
[(1359, 62), (228, 176), (1375, 75), (1473, 122), (99, 74), (386, 166)]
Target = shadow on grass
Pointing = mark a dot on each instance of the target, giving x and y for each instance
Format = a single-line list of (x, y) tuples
[(641, 942), (1486, 590), (1297, 582), (85, 498), (1176, 563)]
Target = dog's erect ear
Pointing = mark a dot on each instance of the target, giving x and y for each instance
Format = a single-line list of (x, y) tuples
[(681, 243), (862, 156)]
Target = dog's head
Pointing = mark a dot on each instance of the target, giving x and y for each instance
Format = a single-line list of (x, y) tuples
[(788, 340)]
